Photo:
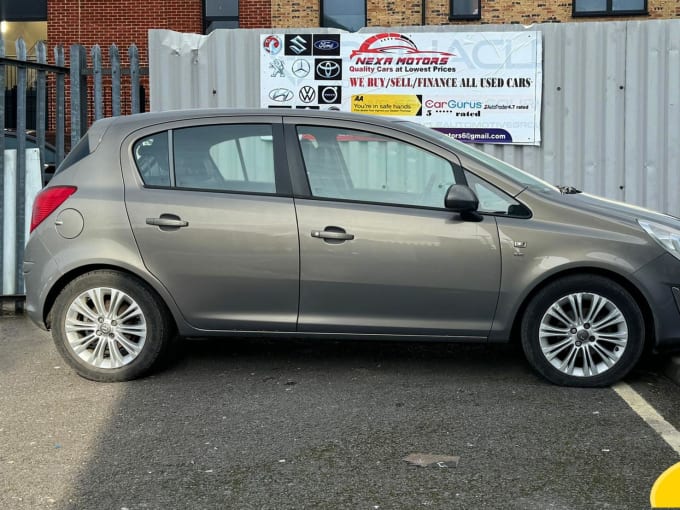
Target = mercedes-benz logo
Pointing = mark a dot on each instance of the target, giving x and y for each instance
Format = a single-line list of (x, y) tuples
[(301, 68), (307, 94), (328, 69)]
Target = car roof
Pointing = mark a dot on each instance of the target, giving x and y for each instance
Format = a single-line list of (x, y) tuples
[(124, 125)]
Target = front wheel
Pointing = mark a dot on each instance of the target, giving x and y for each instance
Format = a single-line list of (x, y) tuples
[(109, 326), (583, 331)]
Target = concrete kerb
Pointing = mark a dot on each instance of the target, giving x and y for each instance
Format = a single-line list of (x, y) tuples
[(672, 368)]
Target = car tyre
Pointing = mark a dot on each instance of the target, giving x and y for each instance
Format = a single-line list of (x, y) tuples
[(583, 330), (109, 326)]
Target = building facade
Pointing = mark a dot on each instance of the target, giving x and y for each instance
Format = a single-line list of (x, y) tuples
[(124, 22)]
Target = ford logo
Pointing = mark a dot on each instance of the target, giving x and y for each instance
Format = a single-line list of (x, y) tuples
[(326, 45), (281, 95)]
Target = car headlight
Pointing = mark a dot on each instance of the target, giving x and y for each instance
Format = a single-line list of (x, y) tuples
[(666, 236)]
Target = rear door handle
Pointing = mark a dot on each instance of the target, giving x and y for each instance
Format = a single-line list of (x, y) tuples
[(335, 235), (167, 221)]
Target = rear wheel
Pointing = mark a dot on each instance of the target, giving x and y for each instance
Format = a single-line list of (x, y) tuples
[(109, 326), (583, 331)]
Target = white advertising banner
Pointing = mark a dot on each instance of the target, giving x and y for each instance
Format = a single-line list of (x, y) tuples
[(482, 87)]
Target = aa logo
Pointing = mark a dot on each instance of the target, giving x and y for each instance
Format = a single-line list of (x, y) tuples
[(666, 490)]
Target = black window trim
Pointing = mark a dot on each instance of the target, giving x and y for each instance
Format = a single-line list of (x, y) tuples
[(609, 11), (321, 13), (464, 17), (207, 20)]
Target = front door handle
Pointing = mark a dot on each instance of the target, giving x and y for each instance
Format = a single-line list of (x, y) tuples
[(167, 220), (333, 234)]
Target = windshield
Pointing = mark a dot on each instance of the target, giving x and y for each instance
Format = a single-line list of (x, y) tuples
[(511, 172)]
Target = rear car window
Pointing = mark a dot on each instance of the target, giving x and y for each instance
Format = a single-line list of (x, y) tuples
[(223, 157), (153, 160), (228, 157)]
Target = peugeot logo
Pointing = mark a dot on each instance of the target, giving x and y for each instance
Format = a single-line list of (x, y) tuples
[(328, 69), (301, 68), (307, 94), (281, 95), (329, 94), (326, 45), (297, 45)]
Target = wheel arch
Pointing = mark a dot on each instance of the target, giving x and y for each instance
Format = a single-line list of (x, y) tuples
[(66, 278), (633, 290)]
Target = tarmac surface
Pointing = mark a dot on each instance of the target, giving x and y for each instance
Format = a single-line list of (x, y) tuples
[(301, 424)]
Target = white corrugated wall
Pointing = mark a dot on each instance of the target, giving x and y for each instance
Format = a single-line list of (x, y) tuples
[(610, 108)]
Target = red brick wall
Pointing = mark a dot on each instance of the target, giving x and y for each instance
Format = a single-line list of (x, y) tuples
[(255, 14), (119, 22)]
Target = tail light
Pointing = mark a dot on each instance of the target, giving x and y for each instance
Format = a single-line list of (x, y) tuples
[(47, 201)]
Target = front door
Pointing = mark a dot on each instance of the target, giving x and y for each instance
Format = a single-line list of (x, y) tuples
[(379, 253)]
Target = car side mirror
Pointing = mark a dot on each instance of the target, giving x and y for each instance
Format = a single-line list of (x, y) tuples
[(461, 199)]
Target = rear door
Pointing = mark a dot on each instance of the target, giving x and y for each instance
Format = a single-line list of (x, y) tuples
[(211, 209)]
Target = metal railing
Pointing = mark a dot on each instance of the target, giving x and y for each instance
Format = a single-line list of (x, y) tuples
[(39, 101)]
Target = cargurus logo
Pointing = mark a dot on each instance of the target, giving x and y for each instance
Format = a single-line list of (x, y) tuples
[(452, 104)]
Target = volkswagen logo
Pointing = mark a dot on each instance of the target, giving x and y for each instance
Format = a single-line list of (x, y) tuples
[(328, 69), (326, 45), (307, 94), (301, 68), (281, 95), (329, 94)]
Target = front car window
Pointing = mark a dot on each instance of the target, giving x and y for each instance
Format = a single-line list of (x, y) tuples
[(355, 165)]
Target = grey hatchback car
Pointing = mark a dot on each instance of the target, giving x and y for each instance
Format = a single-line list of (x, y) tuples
[(328, 225)]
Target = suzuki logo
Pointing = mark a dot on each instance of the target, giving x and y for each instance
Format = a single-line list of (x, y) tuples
[(281, 95), (307, 94), (301, 68), (328, 69), (297, 45)]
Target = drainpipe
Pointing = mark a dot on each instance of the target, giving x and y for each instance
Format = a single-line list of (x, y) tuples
[(422, 12)]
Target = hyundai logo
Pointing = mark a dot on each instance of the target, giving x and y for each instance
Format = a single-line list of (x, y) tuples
[(281, 95), (307, 94), (301, 68), (328, 69), (326, 45), (297, 45)]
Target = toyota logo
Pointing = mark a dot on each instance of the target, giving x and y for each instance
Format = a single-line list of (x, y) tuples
[(281, 95), (328, 69), (301, 68), (307, 94)]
